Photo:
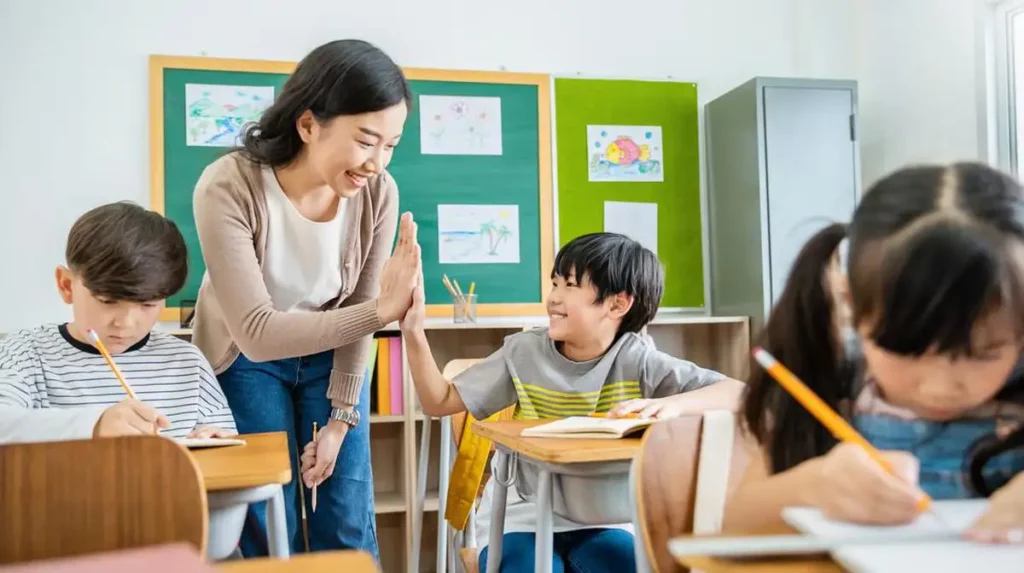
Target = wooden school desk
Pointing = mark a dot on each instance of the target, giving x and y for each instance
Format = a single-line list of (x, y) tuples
[(550, 457), (236, 476), (320, 562), (780, 564)]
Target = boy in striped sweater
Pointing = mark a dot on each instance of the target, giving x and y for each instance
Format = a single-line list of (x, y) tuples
[(593, 357), (122, 262)]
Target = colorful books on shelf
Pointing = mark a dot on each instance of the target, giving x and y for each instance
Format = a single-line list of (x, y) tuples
[(386, 371)]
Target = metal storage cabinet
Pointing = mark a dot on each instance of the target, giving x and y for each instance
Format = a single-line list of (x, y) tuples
[(782, 163)]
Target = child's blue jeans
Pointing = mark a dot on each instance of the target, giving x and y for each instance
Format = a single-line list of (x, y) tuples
[(580, 551), (288, 396)]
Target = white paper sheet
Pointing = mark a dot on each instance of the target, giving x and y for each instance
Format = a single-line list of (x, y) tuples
[(478, 234), (638, 221), (895, 557), (196, 443), (625, 153), (458, 125), (216, 114)]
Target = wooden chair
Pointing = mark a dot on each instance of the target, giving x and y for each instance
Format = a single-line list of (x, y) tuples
[(61, 499), (684, 472), (449, 445)]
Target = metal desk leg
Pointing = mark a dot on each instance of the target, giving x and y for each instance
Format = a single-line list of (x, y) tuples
[(421, 492), (277, 528), (545, 535), (442, 493), (498, 512)]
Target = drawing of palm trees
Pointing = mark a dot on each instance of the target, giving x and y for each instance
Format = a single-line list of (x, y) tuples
[(496, 235)]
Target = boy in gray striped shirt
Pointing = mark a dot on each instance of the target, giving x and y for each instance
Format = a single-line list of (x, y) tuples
[(122, 262)]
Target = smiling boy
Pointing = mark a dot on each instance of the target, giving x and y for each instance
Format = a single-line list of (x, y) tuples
[(592, 358)]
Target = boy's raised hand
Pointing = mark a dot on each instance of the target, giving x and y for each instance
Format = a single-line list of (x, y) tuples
[(413, 319), (129, 417)]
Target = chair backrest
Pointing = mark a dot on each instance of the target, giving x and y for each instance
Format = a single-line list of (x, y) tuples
[(61, 499), (471, 468), (451, 370), (666, 470)]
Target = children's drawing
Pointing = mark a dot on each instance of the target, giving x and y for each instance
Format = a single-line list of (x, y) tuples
[(478, 233), (455, 125), (215, 114), (628, 153)]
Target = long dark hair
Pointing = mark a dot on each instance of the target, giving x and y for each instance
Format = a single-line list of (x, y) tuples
[(932, 250), (343, 77)]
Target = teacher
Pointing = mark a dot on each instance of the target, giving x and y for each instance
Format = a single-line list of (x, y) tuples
[(296, 228)]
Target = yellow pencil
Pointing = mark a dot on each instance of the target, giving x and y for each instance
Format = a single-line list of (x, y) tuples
[(95, 339), (629, 416), (472, 287), (839, 427), (313, 499)]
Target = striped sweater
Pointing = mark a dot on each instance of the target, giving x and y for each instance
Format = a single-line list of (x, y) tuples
[(54, 387)]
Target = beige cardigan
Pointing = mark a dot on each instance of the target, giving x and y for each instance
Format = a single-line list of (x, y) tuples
[(234, 312)]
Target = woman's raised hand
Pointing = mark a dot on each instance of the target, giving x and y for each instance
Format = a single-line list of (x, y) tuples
[(400, 274)]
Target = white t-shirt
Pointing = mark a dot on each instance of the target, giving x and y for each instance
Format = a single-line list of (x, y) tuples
[(302, 267)]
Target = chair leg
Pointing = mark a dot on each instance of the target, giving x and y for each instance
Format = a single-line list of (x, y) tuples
[(639, 551), (444, 470), (421, 494), (470, 531)]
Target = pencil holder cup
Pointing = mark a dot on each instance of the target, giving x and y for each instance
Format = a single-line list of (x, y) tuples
[(465, 308)]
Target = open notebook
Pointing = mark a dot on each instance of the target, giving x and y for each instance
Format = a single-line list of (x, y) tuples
[(933, 543), (588, 427), (196, 443), (908, 547)]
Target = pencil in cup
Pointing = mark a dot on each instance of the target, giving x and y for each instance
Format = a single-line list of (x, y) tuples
[(451, 290), (839, 427), (312, 501)]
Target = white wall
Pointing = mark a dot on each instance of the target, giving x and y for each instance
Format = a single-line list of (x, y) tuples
[(74, 112), (921, 73)]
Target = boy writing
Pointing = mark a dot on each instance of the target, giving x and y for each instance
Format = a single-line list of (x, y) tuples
[(592, 358), (122, 262)]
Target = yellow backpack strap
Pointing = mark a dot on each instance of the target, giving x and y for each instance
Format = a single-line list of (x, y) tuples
[(468, 471)]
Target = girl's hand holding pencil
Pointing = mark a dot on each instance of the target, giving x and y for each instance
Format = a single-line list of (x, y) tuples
[(849, 485), (854, 481)]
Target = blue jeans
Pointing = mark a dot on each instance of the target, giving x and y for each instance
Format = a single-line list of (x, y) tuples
[(944, 450), (580, 551), (288, 396)]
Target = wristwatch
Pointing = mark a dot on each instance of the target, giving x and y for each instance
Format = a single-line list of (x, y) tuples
[(350, 417)]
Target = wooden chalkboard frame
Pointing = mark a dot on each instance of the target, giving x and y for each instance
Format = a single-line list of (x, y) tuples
[(159, 63), (545, 182)]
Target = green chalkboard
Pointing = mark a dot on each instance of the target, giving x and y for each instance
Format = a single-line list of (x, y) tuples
[(184, 163), (436, 187), (517, 181), (672, 106)]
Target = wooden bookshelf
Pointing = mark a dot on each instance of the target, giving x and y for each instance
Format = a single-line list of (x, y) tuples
[(720, 343)]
